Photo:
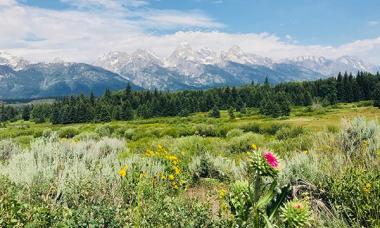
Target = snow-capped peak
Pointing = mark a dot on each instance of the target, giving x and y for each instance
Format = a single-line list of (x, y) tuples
[(113, 61), (308, 58), (207, 56), (353, 61), (184, 52), (145, 55), (15, 62), (237, 55)]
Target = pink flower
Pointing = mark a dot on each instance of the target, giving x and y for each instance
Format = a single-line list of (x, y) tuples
[(271, 159)]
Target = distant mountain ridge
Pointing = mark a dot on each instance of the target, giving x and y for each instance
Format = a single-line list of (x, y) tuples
[(203, 68), (57, 79), (185, 68)]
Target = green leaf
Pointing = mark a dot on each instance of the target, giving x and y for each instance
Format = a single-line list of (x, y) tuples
[(278, 202)]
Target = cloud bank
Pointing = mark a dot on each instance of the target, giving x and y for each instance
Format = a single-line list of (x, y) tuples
[(90, 28)]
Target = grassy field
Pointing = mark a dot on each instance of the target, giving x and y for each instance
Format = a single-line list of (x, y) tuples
[(196, 171), (323, 118)]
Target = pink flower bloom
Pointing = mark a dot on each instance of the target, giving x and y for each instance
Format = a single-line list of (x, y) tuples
[(271, 159)]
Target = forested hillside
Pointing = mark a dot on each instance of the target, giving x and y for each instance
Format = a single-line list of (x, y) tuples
[(272, 100)]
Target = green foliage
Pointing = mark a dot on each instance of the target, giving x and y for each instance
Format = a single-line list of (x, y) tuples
[(68, 132), (64, 182), (231, 113), (240, 202), (287, 133), (275, 105), (274, 101), (296, 214), (40, 113), (356, 195), (234, 133), (7, 150), (243, 143), (376, 95), (215, 113), (359, 137), (104, 130)]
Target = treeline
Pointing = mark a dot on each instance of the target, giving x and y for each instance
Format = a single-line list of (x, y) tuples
[(272, 100)]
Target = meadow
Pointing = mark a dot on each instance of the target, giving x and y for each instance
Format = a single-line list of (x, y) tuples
[(319, 167)]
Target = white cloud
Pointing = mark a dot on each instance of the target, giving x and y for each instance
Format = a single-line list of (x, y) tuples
[(82, 34), (171, 19), (105, 4), (373, 23)]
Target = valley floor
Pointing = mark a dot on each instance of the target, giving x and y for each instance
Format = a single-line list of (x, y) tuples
[(147, 172)]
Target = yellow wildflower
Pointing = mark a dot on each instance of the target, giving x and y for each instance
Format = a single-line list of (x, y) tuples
[(149, 153), (367, 188), (254, 147), (177, 170), (171, 177), (222, 193), (123, 171), (305, 151)]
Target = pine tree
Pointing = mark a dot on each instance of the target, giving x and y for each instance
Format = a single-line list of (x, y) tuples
[(340, 87), (243, 109), (92, 99), (231, 113), (55, 114), (215, 113), (25, 112), (126, 112), (376, 95), (284, 105), (102, 114)]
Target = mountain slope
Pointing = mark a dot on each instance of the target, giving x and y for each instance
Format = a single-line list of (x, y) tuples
[(12, 61), (57, 79), (331, 67), (187, 68)]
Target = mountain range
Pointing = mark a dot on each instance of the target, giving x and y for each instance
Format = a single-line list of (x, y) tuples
[(185, 68)]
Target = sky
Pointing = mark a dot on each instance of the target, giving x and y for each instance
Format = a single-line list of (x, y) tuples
[(82, 30)]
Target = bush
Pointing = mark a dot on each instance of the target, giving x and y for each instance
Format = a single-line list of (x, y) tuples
[(129, 133), (234, 133), (47, 133), (359, 137), (7, 150), (68, 132), (205, 130), (87, 136), (356, 195), (208, 166), (287, 132), (104, 130), (243, 143), (214, 112)]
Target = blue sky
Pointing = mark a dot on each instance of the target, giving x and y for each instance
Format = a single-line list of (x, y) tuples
[(329, 22), (275, 28)]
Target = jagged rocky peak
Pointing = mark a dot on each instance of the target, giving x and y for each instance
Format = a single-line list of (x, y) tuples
[(184, 52), (146, 56), (208, 56), (353, 61), (236, 54), (12, 61)]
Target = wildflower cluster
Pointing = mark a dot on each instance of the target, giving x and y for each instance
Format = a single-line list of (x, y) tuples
[(173, 171), (265, 163)]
